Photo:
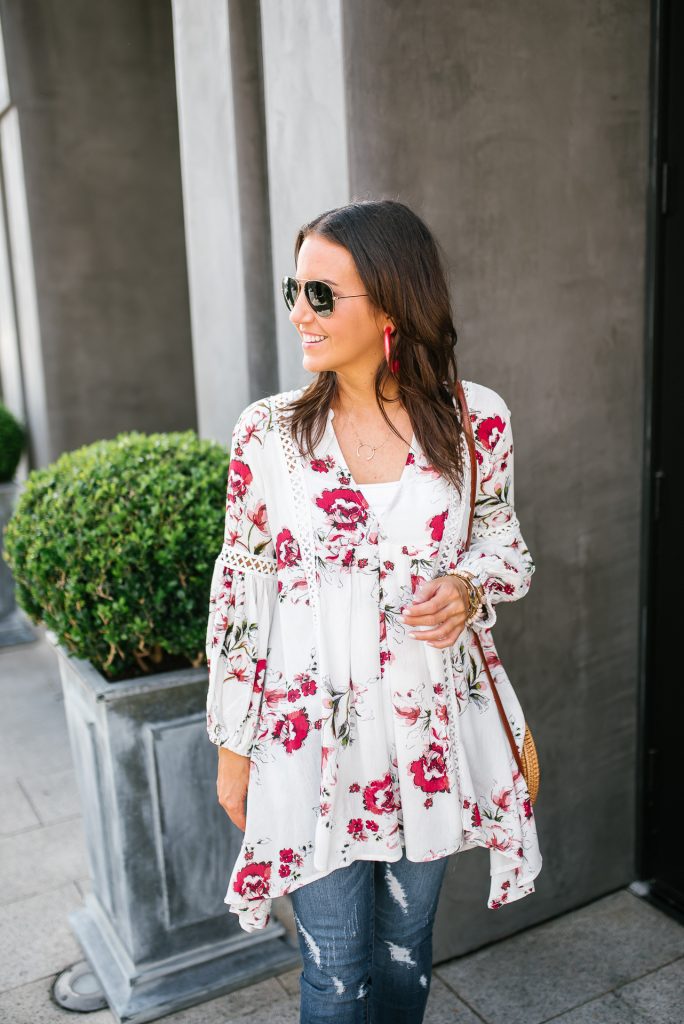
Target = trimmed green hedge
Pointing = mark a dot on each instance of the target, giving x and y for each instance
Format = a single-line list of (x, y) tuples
[(12, 442), (112, 547)]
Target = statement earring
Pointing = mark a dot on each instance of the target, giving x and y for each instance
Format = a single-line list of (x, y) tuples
[(392, 363)]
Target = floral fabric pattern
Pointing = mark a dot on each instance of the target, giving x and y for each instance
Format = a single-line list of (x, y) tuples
[(362, 739)]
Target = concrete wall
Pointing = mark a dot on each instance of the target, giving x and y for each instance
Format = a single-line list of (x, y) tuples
[(520, 134), (93, 89)]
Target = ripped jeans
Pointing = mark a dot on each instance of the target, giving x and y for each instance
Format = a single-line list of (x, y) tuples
[(365, 934)]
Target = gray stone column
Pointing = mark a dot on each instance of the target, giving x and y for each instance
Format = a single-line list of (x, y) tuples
[(20, 340), (225, 196), (307, 129), (92, 180)]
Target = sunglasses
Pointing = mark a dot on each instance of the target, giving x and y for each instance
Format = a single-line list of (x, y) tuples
[(318, 294)]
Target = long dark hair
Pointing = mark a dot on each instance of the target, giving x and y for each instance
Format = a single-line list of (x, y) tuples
[(401, 267)]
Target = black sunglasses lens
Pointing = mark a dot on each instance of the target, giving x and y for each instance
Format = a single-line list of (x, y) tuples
[(320, 297), (290, 291)]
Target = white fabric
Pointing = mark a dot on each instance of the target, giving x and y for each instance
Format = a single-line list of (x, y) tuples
[(380, 495), (363, 740)]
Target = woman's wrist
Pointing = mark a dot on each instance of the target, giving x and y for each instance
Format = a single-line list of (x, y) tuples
[(475, 594)]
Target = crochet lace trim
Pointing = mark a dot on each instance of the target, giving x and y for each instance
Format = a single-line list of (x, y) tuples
[(236, 559), (301, 504), (509, 529)]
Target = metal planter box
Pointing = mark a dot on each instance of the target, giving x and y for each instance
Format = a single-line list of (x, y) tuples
[(154, 927)]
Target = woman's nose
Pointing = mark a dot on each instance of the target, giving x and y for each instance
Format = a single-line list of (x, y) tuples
[(301, 310)]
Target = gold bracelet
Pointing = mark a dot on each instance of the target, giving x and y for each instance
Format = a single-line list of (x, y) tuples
[(476, 595)]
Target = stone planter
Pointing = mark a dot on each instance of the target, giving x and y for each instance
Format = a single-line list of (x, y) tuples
[(14, 625), (155, 928)]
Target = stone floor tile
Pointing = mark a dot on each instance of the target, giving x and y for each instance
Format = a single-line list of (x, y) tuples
[(32, 1004), (35, 938), (290, 981), (606, 1009), (565, 962), (286, 1012), (41, 859), (33, 719), (54, 794), (244, 1002), (444, 1007), (16, 812), (659, 996)]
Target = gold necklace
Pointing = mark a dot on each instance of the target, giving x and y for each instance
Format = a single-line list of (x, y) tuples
[(366, 444)]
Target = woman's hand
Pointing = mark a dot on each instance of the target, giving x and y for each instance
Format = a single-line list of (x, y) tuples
[(442, 603), (232, 783)]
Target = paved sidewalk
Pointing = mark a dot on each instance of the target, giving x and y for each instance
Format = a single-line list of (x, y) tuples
[(616, 961)]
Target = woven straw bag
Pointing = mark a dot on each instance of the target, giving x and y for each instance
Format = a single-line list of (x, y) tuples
[(527, 759)]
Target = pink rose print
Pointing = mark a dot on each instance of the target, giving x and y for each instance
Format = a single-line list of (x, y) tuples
[(259, 517), (498, 839), (284, 870), (476, 817), (292, 730), (343, 507), (259, 671), (322, 465), (253, 881), (239, 479), (378, 796), (416, 581), (503, 799), (429, 771), (408, 711), (436, 525), (355, 825), (286, 855), (287, 549), (490, 430), (527, 806)]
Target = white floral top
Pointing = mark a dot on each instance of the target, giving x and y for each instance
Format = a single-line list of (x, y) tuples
[(363, 740)]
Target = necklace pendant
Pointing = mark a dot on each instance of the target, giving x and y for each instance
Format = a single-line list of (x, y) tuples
[(364, 444)]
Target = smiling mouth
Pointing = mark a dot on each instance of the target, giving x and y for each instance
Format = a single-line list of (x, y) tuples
[(312, 339)]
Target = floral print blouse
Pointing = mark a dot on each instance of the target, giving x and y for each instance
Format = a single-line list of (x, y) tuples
[(364, 742)]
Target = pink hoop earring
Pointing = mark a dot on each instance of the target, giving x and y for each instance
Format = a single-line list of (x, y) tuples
[(392, 363)]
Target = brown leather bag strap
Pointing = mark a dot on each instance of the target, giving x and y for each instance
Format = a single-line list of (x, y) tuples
[(468, 428)]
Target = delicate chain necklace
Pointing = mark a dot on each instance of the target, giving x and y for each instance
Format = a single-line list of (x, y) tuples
[(365, 444)]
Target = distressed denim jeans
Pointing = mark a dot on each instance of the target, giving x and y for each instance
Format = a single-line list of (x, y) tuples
[(365, 934)]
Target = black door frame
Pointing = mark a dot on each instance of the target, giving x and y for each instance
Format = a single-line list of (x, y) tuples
[(658, 197)]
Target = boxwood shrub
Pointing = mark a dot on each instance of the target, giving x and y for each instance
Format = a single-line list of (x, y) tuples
[(12, 441), (112, 548)]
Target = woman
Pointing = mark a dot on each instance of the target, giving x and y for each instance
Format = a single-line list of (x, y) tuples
[(346, 693)]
